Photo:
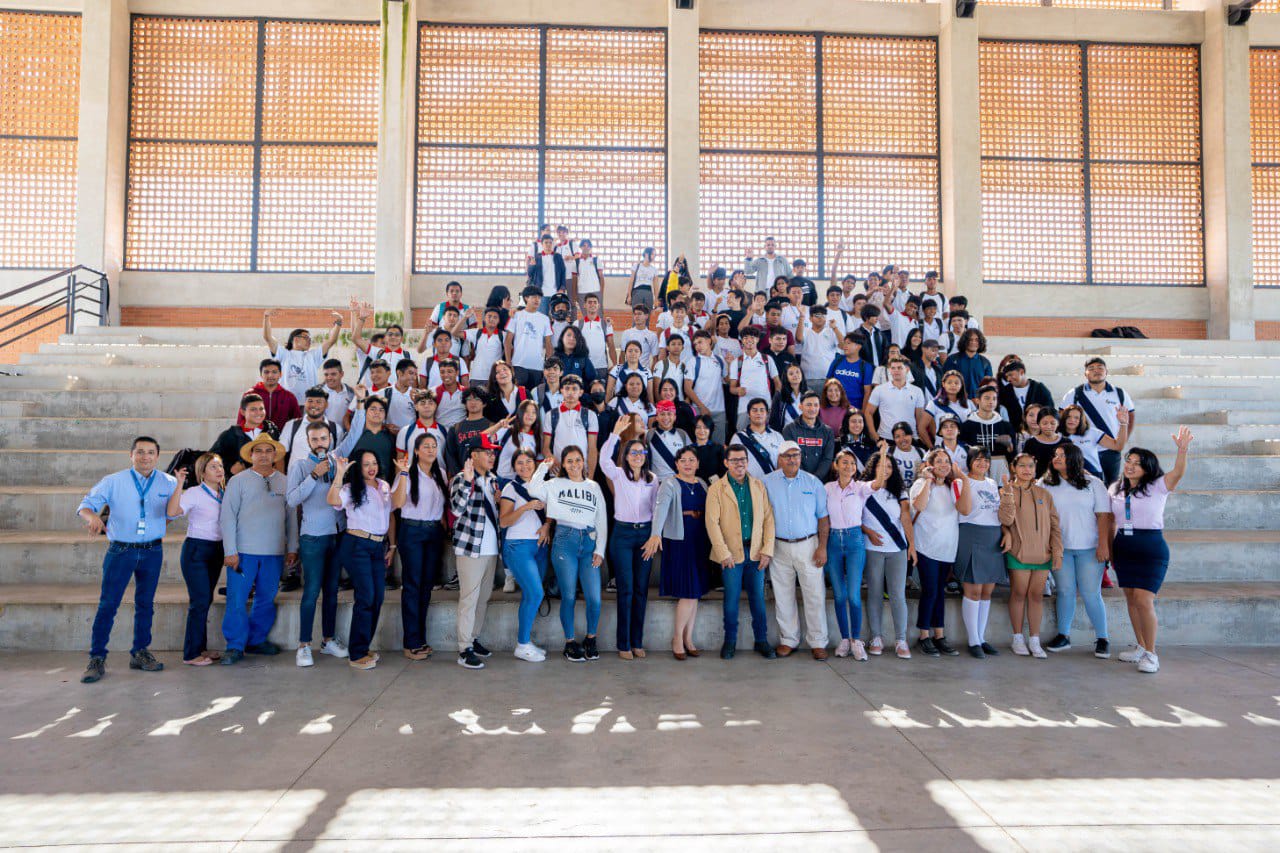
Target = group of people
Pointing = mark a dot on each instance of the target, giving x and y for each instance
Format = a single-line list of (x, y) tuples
[(739, 435)]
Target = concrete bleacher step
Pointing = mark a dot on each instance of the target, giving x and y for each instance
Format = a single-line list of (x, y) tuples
[(75, 557), (120, 403), (106, 433), (39, 616)]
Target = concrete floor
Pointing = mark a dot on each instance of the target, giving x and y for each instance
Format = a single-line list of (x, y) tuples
[(1071, 753)]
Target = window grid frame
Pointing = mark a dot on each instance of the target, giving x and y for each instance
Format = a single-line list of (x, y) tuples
[(1086, 162), (21, 137), (541, 147), (1256, 166), (819, 150), (257, 143)]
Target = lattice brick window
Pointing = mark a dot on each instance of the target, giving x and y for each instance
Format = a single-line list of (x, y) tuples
[(1128, 210), (1264, 113), (39, 116), (1267, 6), (883, 210), (1134, 5), (757, 91), (220, 180), (743, 198), (507, 141)]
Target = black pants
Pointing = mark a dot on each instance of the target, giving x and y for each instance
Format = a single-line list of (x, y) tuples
[(528, 378), (1110, 462), (201, 562), (365, 563), (421, 552)]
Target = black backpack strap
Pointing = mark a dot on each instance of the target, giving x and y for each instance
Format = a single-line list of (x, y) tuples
[(1091, 411), (756, 449), (873, 506)]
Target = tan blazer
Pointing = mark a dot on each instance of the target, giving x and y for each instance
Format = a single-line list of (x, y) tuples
[(724, 525)]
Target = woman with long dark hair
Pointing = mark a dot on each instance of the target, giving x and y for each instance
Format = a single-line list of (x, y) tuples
[(368, 502), (504, 394), (938, 497), (524, 548), (1032, 543), (890, 542), (420, 538), (979, 563), (519, 431), (1138, 551), (846, 551), (951, 401), (631, 547), (913, 347), (678, 521), (575, 356), (855, 437), (835, 405), (786, 403), (500, 298), (710, 452), (1084, 513)]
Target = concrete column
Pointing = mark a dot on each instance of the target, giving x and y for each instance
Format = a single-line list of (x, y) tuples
[(961, 157), (393, 262), (1228, 212), (101, 152), (682, 135)]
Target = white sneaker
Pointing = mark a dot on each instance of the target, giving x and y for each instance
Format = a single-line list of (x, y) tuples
[(877, 646), (304, 656), (1149, 663), (859, 650), (509, 585), (530, 652), (1133, 654), (1019, 645), (902, 650), (1036, 651), (334, 647), (842, 650)]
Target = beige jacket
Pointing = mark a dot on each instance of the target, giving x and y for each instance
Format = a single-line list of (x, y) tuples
[(724, 525), (1030, 522)]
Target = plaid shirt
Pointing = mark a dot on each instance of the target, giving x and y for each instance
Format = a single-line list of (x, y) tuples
[(466, 500)]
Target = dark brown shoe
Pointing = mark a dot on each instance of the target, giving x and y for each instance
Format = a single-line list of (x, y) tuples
[(691, 652), (819, 654), (784, 651)]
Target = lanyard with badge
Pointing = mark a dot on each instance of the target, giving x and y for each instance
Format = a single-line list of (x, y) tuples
[(142, 499), (210, 493), (1128, 515)]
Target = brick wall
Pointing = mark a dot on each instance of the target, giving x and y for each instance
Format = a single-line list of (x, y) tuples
[(49, 334), (1267, 330), (224, 317), (1080, 327)]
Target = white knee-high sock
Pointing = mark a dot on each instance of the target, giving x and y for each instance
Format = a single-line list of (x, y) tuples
[(969, 608), (984, 611)]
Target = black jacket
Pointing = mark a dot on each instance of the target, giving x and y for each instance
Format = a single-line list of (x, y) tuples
[(918, 379), (535, 272), (228, 443), (1036, 393), (882, 345)]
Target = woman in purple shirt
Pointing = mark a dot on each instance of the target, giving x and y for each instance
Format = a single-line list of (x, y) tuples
[(635, 491), (201, 558), (1139, 552)]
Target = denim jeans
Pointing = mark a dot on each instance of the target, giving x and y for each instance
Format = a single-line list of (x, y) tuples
[(118, 566), (320, 567), (365, 561), (524, 558), (754, 582), (932, 610), (421, 552), (571, 553), (846, 557), (631, 573), (261, 574), (201, 567), (1080, 573)]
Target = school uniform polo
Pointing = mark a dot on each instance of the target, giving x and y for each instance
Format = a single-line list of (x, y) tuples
[(576, 427)]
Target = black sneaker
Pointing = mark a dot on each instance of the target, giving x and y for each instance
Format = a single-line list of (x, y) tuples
[(991, 651), (1059, 643), (573, 652), (977, 652), (589, 650), (94, 671), (927, 647), (393, 582), (612, 585), (1102, 649), (345, 584), (480, 650), (467, 658), (766, 651), (953, 588), (945, 647), (451, 585), (143, 659), (727, 651), (232, 656), (266, 647), (291, 582), (222, 591)]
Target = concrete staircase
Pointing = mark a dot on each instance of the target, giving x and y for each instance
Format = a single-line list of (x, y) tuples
[(68, 413)]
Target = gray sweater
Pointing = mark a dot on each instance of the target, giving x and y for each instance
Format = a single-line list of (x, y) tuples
[(318, 518), (255, 517)]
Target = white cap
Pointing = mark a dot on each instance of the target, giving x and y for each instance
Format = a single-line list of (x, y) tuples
[(787, 446)]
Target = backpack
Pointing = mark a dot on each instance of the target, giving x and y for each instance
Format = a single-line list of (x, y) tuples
[(1128, 332), (185, 458)]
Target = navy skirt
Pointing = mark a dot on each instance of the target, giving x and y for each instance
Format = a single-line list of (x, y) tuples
[(1140, 560)]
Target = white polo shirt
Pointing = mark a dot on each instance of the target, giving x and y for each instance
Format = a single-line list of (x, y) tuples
[(486, 348), (400, 411), (433, 372), (647, 339), (588, 275), (339, 402), (675, 372), (573, 427), (754, 373), (770, 440), (529, 331), (1105, 402), (449, 408), (706, 372), (817, 351), (597, 333), (900, 326), (896, 404)]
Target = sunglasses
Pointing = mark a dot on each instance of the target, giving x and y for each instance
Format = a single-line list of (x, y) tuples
[(637, 452)]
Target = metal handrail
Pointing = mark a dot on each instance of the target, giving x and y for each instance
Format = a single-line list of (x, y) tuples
[(69, 299)]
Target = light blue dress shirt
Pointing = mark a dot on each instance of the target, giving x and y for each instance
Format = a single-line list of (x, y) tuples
[(798, 502), (119, 492)]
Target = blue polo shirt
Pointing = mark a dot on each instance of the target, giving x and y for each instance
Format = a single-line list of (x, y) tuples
[(122, 491), (798, 502)]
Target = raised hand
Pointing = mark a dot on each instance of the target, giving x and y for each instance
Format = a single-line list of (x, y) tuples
[(181, 476), (403, 464), (1182, 439), (268, 314), (468, 471), (343, 465)]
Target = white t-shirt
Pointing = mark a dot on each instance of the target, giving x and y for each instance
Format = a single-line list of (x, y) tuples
[(937, 299), (717, 302), (529, 331), (790, 318), (756, 374), (449, 408), (1088, 444), (299, 370), (520, 441), (817, 351), (620, 372), (932, 330), (893, 511), (959, 412), (588, 275), (706, 372), (645, 274), (572, 427), (985, 497), (1077, 512), (896, 404), (597, 333), (675, 372), (959, 456), (908, 462), (728, 349), (485, 349), (526, 527), (937, 527), (338, 402), (900, 326), (647, 339), (400, 412)]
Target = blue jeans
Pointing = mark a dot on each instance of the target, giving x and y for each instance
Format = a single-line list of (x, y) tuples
[(571, 553), (118, 566), (320, 568), (932, 610), (525, 559), (421, 553), (631, 573), (1080, 573), (846, 558), (201, 567), (365, 561), (749, 574), (260, 573)]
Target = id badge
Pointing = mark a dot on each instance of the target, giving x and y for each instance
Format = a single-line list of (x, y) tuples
[(142, 527), (1128, 530)]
